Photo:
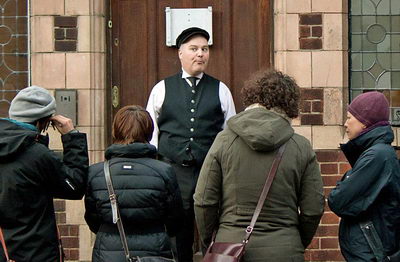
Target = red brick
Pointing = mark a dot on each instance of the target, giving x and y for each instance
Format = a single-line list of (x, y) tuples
[(65, 21), (329, 168), (64, 230), (61, 218), (312, 93), (73, 254), (342, 157), (307, 255), (66, 253), (311, 119), (314, 243), (316, 31), (344, 167), (311, 43), (326, 255), (327, 156), (324, 231), (70, 242), (59, 205), (317, 106), (329, 218), (330, 180), (310, 19), (59, 33), (329, 243), (74, 230), (305, 107), (71, 33), (65, 45), (304, 31)]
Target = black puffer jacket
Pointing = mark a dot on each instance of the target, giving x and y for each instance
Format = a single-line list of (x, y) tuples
[(148, 198), (369, 191), (30, 177)]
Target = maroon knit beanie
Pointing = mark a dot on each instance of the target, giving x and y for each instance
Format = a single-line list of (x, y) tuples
[(371, 109)]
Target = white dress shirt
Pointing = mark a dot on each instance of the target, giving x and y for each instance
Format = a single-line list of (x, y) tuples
[(157, 96)]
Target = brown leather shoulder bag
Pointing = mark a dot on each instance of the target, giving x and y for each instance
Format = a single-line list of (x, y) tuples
[(233, 252)]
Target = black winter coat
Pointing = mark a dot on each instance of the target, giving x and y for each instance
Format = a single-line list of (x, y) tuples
[(369, 191), (30, 177), (149, 201)]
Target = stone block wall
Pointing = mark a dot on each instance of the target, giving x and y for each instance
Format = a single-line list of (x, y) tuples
[(68, 52)]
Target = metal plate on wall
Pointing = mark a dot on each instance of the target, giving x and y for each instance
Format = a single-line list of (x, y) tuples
[(66, 103), (178, 19)]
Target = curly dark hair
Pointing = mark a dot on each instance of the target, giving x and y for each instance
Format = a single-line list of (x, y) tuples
[(272, 89)]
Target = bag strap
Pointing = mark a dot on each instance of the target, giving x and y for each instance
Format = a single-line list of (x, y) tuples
[(115, 210), (373, 239), (60, 246), (3, 243), (264, 192)]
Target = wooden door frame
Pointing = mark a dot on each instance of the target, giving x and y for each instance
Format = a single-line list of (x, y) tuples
[(109, 62)]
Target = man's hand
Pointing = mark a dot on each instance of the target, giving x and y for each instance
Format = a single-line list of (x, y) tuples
[(63, 124)]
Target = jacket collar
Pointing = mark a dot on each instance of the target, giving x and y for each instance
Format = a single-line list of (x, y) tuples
[(355, 147), (134, 150)]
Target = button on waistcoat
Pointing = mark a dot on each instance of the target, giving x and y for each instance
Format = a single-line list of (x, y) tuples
[(190, 118)]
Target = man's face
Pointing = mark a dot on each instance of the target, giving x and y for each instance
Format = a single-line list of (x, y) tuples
[(353, 126), (194, 55)]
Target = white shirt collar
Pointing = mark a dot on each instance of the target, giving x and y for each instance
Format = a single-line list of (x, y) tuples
[(185, 74)]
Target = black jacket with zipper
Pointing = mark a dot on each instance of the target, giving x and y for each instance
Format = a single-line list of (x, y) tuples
[(149, 201), (370, 190), (30, 177)]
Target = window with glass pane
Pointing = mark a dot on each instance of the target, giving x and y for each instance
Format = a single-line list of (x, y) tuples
[(13, 51), (375, 50)]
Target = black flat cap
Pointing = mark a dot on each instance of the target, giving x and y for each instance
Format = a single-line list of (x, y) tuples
[(189, 33)]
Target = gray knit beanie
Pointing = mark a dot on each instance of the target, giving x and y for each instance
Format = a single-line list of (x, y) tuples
[(31, 104)]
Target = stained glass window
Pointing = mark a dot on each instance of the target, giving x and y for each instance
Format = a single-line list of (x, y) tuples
[(14, 56), (375, 50)]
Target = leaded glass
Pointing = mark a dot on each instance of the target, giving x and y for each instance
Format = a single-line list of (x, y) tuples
[(375, 50), (384, 60), (383, 8), (368, 7), (396, 24), (14, 55), (395, 8)]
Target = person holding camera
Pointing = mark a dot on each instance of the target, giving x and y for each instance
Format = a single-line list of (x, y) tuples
[(31, 175)]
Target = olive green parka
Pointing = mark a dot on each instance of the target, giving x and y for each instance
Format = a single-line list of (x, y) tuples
[(232, 178)]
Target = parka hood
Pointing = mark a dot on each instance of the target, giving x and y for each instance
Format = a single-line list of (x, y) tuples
[(261, 129), (14, 139)]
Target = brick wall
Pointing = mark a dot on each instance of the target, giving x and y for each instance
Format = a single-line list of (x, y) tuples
[(69, 233), (310, 31), (311, 106), (325, 246)]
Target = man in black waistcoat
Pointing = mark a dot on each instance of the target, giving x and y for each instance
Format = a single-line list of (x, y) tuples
[(188, 110)]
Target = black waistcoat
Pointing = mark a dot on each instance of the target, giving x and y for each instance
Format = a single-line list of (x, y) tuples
[(190, 118)]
